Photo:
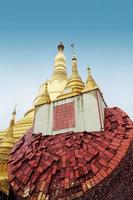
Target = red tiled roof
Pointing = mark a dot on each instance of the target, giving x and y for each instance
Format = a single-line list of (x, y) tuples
[(66, 166)]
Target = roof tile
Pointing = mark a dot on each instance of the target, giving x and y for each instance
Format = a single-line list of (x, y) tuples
[(66, 166)]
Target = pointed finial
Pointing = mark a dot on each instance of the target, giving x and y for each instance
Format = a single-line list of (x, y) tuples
[(44, 98), (13, 116), (12, 122), (90, 83), (7, 143), (14, 112), (88, 69), (46, 85), (73, 49)]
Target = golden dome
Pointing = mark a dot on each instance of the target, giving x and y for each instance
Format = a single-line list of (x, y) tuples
[(7, 143), (44, 98), (90, 83)]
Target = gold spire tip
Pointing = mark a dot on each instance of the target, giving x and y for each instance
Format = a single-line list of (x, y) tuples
[(88, 69), (61, 46), (73, 49), (46, 85), (14, 112), (13, 115), (44, 98), (74, 57)]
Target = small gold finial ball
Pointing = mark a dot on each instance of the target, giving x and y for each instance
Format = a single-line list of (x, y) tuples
[(88, 69), (61, 46)]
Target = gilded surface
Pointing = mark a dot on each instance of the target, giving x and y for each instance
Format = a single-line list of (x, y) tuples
[(4, 185), (59, 77), (3, 170), (21, 126), (90, 83), (75, 84), (44, 98), (6, 145)]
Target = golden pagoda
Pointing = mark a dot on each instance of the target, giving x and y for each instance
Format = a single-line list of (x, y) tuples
[(6, 145), (58, 87)]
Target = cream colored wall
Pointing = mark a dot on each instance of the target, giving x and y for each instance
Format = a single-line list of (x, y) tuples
[(91, 114), (87, 116), (41, 121), (102, 105)]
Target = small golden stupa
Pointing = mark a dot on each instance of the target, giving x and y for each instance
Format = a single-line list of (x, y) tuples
[(6, 145), (44, 98), (75, 84), (90, 83)]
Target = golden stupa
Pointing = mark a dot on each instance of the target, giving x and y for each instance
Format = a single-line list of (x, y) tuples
[(58, 87), (90, 83), (6, 145), (44, 98)]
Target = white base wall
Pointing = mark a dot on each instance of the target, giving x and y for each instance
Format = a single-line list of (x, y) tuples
[(89, 114)]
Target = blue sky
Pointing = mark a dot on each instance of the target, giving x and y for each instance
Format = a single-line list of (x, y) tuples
[(30, 31)]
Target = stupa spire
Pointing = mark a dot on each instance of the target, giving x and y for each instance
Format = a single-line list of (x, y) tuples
[(73, 48), (44, 98), (9, 135), (90, 83), (74, 68), (75, 82), (7, 143), (60, 72)]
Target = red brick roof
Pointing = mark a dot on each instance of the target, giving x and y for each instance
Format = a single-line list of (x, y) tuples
[(68, 165)]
